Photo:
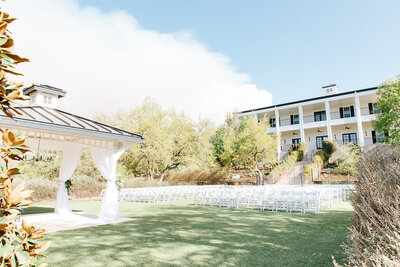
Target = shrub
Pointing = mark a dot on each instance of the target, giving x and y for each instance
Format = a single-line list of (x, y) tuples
[(144, 182), (315, 166), (86, 166), (301, 149), (44, 189), (328, 146), (375, 230), (300, 155), (303, 146), (283, 168), (198, 177), (84, 186), (348, 162), (48, 169), (322, 155)]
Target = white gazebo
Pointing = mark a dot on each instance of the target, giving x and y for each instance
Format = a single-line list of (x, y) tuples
[(49, 128)]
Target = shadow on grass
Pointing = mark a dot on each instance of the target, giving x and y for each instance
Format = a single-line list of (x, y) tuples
[(185, 235), (35, 209), (38, 210)]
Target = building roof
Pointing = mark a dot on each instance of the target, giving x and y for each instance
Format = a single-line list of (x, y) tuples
[(44, 88), (310, 99), (55, 120)]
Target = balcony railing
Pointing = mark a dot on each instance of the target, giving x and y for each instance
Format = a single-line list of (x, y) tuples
[(335, 115), (285, 122), (366, 111), (311, 118)]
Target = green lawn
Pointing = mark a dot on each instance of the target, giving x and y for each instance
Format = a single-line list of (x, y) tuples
[(179, 233)]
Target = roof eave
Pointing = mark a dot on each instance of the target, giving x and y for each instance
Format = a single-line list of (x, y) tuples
[(36, 125), (307, 100)]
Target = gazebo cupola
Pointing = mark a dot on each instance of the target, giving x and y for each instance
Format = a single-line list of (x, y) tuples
[(44, 95)]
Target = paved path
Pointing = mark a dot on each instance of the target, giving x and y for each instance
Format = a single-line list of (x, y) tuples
[(294, 178)]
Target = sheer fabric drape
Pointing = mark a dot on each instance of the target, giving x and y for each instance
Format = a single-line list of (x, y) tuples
[(69, 162), (106, 162)]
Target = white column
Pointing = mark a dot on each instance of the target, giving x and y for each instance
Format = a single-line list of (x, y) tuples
[(359, 122), (255, 117), (278, 134), (328, 120), (302, 136)]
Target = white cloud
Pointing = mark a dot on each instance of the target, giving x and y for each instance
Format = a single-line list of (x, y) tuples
[(107, 61)]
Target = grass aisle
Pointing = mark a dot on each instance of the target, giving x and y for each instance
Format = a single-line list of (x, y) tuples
[(179, 233)]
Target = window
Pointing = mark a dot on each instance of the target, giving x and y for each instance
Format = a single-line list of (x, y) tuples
[(379, 136), (33, 100), (319, 141), (350, 138), (272, 122), (346, 112), (295, 143), (373, 109), (294, 119), (48, 99), (320, 116)]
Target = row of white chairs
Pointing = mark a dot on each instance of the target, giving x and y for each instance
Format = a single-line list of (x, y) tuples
[(284, 198), (157, 194), (310, 198)]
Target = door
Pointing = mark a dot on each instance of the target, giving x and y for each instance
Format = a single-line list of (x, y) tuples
[(319, 140), (350, 138), (295, 143)]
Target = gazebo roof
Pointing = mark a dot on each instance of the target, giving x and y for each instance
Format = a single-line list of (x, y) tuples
[(55, 120)]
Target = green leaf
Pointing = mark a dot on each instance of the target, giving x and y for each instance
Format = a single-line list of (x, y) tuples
[(3, 41), (15, 151), (6, 249), (7, 58)]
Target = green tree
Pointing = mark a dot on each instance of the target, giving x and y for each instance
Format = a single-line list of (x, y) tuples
[(218, 145), (389, 104), (247, 146), (256, 146), (172, 140)]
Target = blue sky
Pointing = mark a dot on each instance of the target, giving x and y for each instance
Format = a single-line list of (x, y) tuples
[(290, 48)]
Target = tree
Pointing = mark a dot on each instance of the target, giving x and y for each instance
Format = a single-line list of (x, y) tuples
[(218, 145), (20, 246), (172, 140), (256, 146), (388, 122), (246, 146)]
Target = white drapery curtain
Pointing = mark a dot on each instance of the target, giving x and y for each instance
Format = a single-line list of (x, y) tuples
[(106, 162), (69, 162)]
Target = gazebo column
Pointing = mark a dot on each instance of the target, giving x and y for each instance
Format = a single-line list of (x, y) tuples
[(106, 162), (69, 162)]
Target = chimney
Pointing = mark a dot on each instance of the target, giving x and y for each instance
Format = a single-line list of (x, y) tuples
[(43, 95), (330, 89)]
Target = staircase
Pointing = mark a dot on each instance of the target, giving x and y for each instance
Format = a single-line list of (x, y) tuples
[(297, 176)]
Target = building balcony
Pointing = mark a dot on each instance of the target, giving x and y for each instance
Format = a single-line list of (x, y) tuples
[(312, 121)]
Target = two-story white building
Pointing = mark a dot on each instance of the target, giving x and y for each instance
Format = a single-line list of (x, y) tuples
[(342, 117)]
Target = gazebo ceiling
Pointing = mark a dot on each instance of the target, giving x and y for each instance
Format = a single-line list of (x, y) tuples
[(56, 122)]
